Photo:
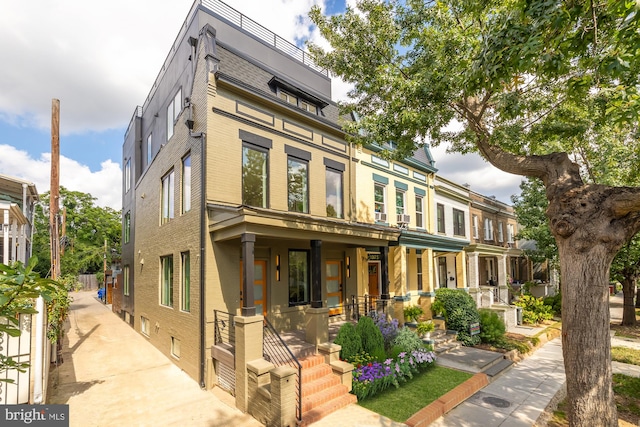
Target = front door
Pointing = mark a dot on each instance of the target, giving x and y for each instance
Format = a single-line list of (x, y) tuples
[(334, 287), (374, 279), (259, 286)]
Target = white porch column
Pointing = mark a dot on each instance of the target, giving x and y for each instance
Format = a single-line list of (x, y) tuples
[(5, 237), (474, 278), (502, 270), (15, 232)]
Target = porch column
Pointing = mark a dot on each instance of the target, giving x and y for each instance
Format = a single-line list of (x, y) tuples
[(248, 302), (503, 289), (316, 274), (5, 237), (384, 275), (461, 270)]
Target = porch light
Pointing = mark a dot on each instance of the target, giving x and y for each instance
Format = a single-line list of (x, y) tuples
[(277, 268), (348, 266)]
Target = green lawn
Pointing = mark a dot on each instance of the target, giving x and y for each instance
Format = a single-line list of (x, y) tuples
[(625, 355), (401, 403)]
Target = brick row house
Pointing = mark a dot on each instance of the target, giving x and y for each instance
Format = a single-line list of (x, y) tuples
[(242, 198)]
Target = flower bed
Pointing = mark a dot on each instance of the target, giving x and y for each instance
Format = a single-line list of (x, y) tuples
[(374, 377)]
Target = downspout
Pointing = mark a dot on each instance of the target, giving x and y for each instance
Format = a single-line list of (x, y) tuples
[(203, 236)]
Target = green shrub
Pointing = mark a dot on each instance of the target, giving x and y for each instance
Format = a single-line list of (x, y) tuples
[(555, 302), (492, 328), (412, 312), (350, 341), (533, 309), (406, 341), (370, 336), (460, 312)]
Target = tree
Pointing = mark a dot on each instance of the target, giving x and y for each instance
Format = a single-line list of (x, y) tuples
[(87, 226), (19, 286), (626, 269), (532, 86)]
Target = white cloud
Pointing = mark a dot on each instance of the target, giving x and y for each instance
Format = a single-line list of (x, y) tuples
[(105, 184)]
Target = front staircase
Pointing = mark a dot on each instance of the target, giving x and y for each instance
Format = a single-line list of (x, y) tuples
[(322, 391), (444, 341)]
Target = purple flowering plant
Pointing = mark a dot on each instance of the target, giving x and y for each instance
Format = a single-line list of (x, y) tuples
[(374, 377), (388, 328)]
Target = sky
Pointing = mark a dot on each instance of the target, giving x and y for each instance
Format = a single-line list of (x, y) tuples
[(101, 61)]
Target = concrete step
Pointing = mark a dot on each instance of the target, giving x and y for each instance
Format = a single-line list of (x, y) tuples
[(446, 347), (498, 368)]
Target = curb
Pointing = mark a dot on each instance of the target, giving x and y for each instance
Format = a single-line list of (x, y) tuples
[(448, 401)]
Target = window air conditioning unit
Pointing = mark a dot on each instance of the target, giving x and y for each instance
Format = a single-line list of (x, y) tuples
[(403, 219), (381, 217)]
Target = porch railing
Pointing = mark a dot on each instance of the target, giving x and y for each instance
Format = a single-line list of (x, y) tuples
[(225, 331), (275, 350), (366, 305)]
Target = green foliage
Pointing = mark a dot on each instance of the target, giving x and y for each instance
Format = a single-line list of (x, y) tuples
[(57, 312), (349, 340), (492, 328), (555, 302), (437, 308), (461, 312), (406, 341), (87, 227), (19, 286), (412, 313), (533, 309), (370, 337), (425, 327)]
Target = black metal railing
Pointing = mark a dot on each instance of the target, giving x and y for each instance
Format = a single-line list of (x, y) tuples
[(225, 330), (275, 350), (366, 305)]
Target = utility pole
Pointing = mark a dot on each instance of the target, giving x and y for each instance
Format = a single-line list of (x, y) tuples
[(104, 271), (54, 194)]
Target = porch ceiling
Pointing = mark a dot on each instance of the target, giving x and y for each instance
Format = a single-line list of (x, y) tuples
[(228, 223), (483, 249)]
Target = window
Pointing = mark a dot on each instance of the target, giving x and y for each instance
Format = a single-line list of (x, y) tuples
[(500, 232), (509, 233), (419, 212), (442, 272), (440, 217), (254, 176), (173, 111), (149, 149), (379, 202), (175, 347), (127, 227), (167, 197), (127, 175), (301, 103), (475, 226), (399, 202), (488, 229), (185, 282), (287, 97), (458, 222), (125, 278), (307, 106), (334, 193), (298, 277), (297, 184), (144, 325), (166, 281), (186, 184)]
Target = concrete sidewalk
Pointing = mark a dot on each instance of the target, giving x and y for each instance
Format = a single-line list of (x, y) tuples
[(111, 376)]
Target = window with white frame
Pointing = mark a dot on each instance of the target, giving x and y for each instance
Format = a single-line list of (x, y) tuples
[(379, 199), (186, 183), (509, 233), (400, 196), (475, 226), (149, 147), (185, 281), (173, 111), (127, 227), (166, 281), (175, 347), (488, 229), (500, 232), (144, 325), (127, 175), (168, 183), (419, 212), (125, 278)]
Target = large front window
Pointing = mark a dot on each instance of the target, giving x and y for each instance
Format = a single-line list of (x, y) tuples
[(379, 202), (440, 217), (168, 183), (166, 281), (254, 177), (334, 193), (458, 223), (298, 277), (419, 212), (298, 185)]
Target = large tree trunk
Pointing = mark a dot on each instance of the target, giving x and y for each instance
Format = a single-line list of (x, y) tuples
[(586, 343), (637, 297), (628, 310)]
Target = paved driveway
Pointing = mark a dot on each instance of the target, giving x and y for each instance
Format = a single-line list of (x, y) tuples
[(111, 376)]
